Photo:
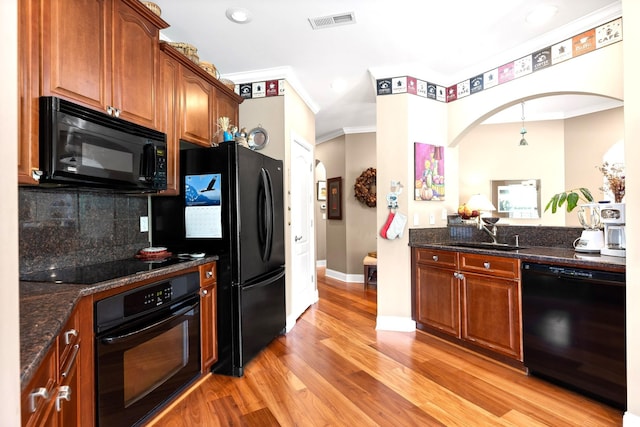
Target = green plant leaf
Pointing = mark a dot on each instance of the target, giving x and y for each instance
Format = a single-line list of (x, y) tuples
[(572, 201), (587, 194), (562, 197)]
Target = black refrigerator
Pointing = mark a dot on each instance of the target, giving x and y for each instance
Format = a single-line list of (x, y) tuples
[(231, 205)]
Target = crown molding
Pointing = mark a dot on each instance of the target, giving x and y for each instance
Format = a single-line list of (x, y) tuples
[(344, 131)]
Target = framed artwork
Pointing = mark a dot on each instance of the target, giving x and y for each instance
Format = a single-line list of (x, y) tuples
[(322, 190), (334, 186), (429, 172)]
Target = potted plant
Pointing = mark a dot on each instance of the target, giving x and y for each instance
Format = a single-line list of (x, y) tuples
[(571, 197)]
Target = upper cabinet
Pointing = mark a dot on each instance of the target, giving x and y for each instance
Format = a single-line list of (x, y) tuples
[(102, 54)]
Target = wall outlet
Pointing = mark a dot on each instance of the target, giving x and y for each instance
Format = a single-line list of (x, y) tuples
[(432, 219), (144, 224)]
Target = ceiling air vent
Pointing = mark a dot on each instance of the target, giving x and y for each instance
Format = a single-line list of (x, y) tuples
[(332, 20)]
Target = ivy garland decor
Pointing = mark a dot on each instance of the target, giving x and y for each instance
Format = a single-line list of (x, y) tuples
[(365, 187)]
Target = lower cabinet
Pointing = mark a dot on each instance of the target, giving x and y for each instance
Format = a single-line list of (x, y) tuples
[(208, 331), (61, 392), (472, 298)]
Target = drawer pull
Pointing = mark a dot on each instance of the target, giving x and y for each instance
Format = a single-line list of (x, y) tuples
[(435, 257), (68, 334), (72, 361), (487, 265), (209, 274), (203, 292), (64, 393), (33, 397)]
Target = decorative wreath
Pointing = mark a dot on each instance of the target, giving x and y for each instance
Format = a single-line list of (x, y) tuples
[(365, 187)]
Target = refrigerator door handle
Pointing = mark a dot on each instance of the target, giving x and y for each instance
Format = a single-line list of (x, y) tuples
[(266, 216)]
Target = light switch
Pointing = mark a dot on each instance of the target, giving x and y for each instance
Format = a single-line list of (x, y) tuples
[(144, 224), (416, 218), (432, 219)]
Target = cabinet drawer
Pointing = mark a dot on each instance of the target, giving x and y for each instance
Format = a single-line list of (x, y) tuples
[(493, 265), (435, 257), (207, 274)]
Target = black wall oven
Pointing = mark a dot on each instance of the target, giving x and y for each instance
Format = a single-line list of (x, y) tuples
[(147, 348)]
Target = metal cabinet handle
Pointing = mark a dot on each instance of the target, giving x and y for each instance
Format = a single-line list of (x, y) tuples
[(116, 112), (68, 334), (72, 360), (487, 265), (209, 274), (297, 238), (435, 257), (33, 398), (203, 292), (64, 393)]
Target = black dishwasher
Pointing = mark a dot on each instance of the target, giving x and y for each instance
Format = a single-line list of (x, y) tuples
[(574, 329)]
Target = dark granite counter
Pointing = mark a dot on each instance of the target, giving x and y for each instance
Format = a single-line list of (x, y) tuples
[(541, 254), (46, 307)]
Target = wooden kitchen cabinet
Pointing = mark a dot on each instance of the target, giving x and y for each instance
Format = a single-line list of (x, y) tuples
[(103, 54), (437, 291), (168, 108), (208, 312), (60, 393), (196, 108), (473, 298)]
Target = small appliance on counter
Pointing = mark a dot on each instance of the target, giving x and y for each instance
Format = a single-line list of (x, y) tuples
[(613, 218), (592, 239)]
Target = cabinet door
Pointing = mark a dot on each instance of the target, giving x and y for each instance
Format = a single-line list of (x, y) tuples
[(167, 113), (28, 89), (438, 299), (225, 107), (135, 66), (38, 396), (491, 313), (76, 51), (196, 108), (67, 400), (209, 339)]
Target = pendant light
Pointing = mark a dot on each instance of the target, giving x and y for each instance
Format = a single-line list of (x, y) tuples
[(523, 141)]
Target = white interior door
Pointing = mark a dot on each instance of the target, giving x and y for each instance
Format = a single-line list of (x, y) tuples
[(304, 290)]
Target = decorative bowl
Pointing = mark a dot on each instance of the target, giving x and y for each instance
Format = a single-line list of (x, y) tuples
[(188, 50), (210, 68), (153, 7), (490, 220), (228, 83)]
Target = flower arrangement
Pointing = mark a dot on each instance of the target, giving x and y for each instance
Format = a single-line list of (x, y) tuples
[(614, 174)]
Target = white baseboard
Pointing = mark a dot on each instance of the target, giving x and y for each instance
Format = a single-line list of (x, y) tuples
[(395, 323), (321, 263), (349, 278), (630, 420)]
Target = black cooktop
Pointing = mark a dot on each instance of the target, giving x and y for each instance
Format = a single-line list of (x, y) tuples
[(96, 273)]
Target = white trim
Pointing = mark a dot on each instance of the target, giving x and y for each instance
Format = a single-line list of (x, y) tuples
[(321, 263), (630, 420), (355, 278), (395, 323), (344, 131), (335, 275), (293, 318), (276, 73)]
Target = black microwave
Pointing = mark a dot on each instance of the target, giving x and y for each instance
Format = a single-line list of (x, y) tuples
[(86, 148)]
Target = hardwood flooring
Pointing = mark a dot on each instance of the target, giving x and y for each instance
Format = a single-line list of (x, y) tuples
[(335, 369)]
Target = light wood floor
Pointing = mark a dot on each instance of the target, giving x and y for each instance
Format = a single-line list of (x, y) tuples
[(335, 369)]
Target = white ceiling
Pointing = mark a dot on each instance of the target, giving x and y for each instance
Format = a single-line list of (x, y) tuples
[(443, 42)]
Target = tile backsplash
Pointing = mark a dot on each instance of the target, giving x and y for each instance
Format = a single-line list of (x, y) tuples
[(63, 227)]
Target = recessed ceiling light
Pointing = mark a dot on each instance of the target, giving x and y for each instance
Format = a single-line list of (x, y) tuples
[(238, 15), (541, 14)]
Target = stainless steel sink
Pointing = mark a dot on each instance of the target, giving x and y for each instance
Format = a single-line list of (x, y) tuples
[(485, 245)]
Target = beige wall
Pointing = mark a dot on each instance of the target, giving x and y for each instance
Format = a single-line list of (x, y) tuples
[(563, 154), (360, 219), (587, 139), (333, 154), (631, 11), (9, 317), (491, 152)]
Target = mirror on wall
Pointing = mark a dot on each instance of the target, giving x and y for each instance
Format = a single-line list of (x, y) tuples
[(516, 199)]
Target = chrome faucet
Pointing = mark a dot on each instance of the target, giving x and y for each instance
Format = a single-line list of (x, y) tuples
[(493, 232)]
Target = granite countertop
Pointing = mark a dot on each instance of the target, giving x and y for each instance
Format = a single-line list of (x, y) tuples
[(542, 254), (46, 307)]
